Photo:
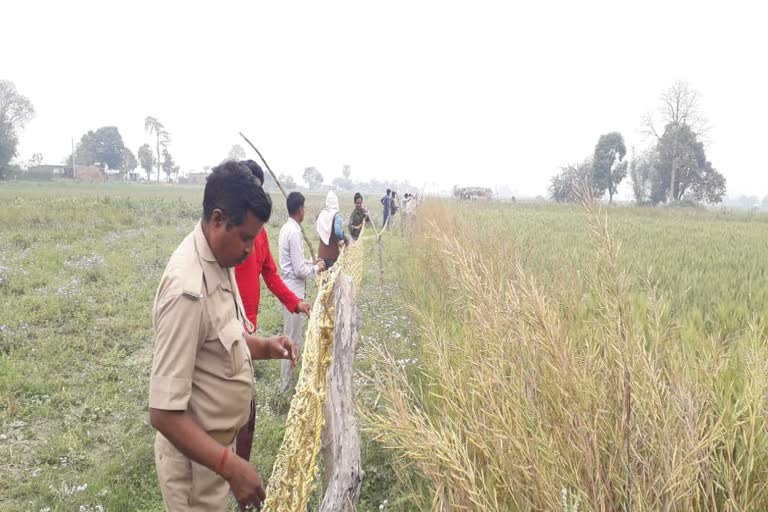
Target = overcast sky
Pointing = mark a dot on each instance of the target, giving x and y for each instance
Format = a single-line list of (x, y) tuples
[(472, 93)]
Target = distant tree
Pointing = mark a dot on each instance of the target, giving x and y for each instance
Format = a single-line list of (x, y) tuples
[(288, 182), (641, 173), (608, 165), (343, 183), (572, 182), (679, 105), (154, 126), (269, 181), (346, 171), (37, 159), (147, 160), (128, 162), (313, 177), (8, 145), (15, 111), (682, 167), (102, 147), (236, 153), (169, 166)]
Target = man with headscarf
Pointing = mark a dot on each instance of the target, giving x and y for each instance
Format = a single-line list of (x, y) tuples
[(330, 229)]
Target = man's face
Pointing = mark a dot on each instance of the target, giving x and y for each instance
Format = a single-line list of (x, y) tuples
[(359, 202), (300, 215), (231, 245)]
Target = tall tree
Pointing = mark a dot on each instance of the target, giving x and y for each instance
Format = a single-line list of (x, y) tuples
[(346, 171), (153, 126), (103, 147), (313, 177), (682, 167), (678, 105), (288, 182), (169, 166), (128, 162), (15, 112), (146, 160), (236, 153), (641, 173), (608, 165), (573, 182)]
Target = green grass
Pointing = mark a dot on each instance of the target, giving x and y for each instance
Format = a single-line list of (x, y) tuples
[(79, 265)]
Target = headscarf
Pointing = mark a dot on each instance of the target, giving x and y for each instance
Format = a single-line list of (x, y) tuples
[(324, 223)]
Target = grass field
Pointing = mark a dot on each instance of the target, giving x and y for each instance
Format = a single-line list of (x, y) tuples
[(504, 348)]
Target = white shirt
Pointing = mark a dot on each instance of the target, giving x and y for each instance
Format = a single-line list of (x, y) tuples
[(294, 269)]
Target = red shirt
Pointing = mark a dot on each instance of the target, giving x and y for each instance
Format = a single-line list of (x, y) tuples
[(260, 262)]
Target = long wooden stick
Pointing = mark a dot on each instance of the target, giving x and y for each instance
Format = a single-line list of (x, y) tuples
[(280, 186)]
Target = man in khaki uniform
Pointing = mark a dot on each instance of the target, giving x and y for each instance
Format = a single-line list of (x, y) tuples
[(202, 377)]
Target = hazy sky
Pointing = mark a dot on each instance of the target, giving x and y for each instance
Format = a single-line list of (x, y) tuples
[(485, 93)]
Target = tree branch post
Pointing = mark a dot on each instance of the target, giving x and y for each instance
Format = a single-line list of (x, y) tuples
[(341, 435)]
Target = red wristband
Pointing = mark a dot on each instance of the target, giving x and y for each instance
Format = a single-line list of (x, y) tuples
[(223, 460)]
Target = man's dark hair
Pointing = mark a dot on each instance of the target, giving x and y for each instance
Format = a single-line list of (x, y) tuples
[(358, 195), (294, 202), (255, 169), (388, 191), (231, 188)]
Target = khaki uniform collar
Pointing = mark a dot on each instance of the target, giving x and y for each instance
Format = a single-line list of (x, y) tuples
[(215, 274)]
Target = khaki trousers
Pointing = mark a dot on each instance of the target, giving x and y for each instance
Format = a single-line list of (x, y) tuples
[(186, 485)]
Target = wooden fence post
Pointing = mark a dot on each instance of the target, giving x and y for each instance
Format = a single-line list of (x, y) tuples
[(341, 434)]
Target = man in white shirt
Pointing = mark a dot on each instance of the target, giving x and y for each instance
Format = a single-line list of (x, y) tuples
[(294, 270)]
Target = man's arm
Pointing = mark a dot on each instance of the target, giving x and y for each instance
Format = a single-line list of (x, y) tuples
[(338, 228), (177, 334), (276, 347), (301, 268), (190, 439), (276, 285)]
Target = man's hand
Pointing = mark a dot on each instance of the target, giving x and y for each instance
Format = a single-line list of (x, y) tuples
[(320, 265), (244, 481), (304, 307), (281, 347)]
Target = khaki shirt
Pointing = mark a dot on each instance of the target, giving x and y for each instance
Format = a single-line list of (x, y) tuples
[(201, 361)]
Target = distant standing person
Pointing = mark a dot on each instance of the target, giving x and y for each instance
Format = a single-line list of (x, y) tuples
[(386, 202), (405, 217), (330, 229), (394, 206), (358, 218), (295, 271)]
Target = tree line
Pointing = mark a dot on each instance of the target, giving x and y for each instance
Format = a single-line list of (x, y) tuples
[(673, 169)]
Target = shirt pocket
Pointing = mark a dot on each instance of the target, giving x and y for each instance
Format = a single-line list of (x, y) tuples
[(232, 338)]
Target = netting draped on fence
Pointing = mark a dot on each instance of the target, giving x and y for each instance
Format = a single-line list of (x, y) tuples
[(294, 472)]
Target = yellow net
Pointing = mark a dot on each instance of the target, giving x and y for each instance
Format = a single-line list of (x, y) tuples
[(294, 472)]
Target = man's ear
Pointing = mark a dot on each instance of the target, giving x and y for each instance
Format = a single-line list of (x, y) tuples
[(218, 218)]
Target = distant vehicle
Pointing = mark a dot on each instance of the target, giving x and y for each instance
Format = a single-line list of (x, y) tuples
[(472, 193)]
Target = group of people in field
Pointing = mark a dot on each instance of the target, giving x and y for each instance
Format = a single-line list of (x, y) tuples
[(391, 205), (205, 318)]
